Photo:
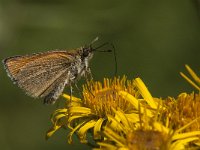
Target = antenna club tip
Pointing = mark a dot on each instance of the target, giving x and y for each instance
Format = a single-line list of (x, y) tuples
[(96, 39)]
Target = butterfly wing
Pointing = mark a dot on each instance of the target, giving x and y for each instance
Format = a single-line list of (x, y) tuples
[(39, 74)]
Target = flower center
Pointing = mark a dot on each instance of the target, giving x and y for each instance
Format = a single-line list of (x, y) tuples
[(101, 99)]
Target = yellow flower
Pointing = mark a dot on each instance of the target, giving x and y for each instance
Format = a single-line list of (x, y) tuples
[(194, 76), (122, 114), (182, 111), (100, 101), (149, 135)]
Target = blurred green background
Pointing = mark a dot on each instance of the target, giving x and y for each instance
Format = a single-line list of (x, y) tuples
[(153, 40)]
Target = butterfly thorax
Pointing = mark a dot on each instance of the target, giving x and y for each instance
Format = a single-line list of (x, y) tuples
[(82, 56)]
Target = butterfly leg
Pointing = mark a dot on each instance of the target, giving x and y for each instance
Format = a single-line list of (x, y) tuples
[(88, 74), (78, 89), (71, 90)]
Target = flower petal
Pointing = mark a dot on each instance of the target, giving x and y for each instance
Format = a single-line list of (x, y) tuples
[(105, 146), (133, 117), (186, 135), (51, 131), (114, 137), (68, 97), (180, 144), (57, 112), (73, 118), (190, 81), (119, 115), (114, 123), (69, 137), (81, 110), (135, 102), (145, 93), (83, 130), (97, 128), (193, 74)]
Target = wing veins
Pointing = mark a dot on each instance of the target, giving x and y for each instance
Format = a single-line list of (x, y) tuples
[(52, 84)]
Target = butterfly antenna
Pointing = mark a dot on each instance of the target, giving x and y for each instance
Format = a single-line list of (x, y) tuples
[(109, 50), (100, 46), (115, 58), (93, 41)]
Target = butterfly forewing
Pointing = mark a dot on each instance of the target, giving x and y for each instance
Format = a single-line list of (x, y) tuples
[(41, 75)]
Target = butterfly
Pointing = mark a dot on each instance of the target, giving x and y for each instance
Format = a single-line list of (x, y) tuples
[(44, 75)]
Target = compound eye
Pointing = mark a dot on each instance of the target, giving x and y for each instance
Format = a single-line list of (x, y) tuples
[(85, 53)]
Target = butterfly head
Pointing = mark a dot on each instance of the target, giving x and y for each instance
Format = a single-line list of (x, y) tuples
[(87, 51)]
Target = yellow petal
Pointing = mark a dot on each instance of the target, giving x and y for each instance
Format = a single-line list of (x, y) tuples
[(180, 144), (69, 137), (63, 110), (106, 146), (159, 127), (187, 125), (68, 97), (114, 123), (123, 148), (193, 74), (58, 117), (83, 130), (131, 99), (186, 135), (57, 112), (119, 115), (190, 81), (81, 110), (133, 117), (113, 136), (145, 93), (72, 119), (97, 128), (197, 143), (51, 131)]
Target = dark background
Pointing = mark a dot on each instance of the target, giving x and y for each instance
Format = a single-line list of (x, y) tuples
[(153, 39)]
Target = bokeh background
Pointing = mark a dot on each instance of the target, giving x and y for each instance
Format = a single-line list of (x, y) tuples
[(153, 40)]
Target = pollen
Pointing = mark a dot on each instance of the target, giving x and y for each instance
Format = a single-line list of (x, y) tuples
[(146, 139), (182, 110), (102, 98)]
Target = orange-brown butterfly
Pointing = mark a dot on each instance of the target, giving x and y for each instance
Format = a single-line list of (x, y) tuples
[(46, 74)]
